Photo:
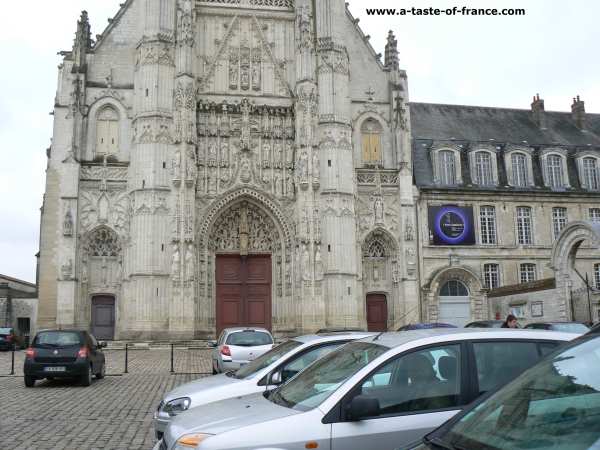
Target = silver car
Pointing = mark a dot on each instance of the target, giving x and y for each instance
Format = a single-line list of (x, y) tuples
[(378, 393), (238, 346), (265, 372)]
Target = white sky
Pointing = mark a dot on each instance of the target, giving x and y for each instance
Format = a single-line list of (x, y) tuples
[(492, 61)]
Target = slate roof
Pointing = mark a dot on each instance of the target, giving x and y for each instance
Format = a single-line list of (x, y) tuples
[(470, 125)]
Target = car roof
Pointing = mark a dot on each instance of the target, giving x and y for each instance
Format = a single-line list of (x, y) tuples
[(553, 322), (235, 329), (395, 339), (329, 337)]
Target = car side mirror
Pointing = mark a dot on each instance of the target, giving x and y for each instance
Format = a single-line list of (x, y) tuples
[(275, 378), (212, 344), (363, 406), (102, 344)]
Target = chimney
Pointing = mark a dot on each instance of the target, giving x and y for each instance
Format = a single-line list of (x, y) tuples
[(578, 112), (391, 52), (538, 112)]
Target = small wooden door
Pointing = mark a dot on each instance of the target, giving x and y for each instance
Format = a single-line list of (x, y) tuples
[(376, 312), (103, 317), (243, 291)]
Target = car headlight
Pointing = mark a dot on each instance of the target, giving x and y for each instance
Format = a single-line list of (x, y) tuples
[(188, 441), (177, 406)]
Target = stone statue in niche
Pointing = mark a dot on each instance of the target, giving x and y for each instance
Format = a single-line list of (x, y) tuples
[(189, 263), (256, 75), (67, 269), (303, 167), (68, 224), (245, 171), (278, 155), (408, 230), (316, 168), (212, 151), (119, 273), (305, 263), (290, 186), (176, 164), (378, 210), (395, 272), (233, 69), (84, 271), (176, 262), (266, 154), (318, 264)]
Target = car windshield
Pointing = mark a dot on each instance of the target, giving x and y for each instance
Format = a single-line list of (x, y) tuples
[(316, 383), (249, 338), (570, 327), (554, 405), (57, 339), (266, 359), (5, 331)]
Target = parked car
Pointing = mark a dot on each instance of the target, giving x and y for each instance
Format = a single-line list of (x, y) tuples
[(265, 372), (377, 393), (485, 324), (238, 346), (566, 327), (11, 338), (64, 354), (425, 326), (339, 330), (553, 405)]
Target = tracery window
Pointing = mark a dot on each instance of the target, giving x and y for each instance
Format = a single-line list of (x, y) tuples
[(104, 242), (375, 249), (371, 132), (107, 132)]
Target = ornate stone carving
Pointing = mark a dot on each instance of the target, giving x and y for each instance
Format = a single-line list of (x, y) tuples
[(97, 172), (189, 263), (306, 276), (109, 207), (175, 263), (102, 242), (68, 224), (316, 167), (318, 263), (408, 230), (67, 270), (185, 35), (155, 53), (305, 39), (185, 117), (378, 210)]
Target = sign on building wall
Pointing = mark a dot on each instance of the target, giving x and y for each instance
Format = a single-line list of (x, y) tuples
[(451, 225)]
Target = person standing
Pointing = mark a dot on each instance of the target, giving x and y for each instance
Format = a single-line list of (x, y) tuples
[(510, 322)]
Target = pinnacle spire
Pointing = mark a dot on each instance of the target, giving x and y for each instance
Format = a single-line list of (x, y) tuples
[(83, 42), (391, 52)]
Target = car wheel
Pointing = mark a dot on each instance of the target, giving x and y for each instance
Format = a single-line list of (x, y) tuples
[(102, 372), (86, 379), (29, 381)]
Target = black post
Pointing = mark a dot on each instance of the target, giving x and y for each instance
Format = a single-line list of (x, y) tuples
[(172, 357), (126, 357), (587, 285), (12, 361)]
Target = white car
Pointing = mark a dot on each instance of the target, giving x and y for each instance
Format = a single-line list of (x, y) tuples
[(378, 393), (265, 372), (238, 346)]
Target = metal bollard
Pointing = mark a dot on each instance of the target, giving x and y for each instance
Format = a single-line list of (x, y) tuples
[(172, 358), (12, 361), (126, 357)]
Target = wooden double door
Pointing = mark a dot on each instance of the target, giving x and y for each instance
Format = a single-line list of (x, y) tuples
[(243, 290), (103, 317), (377, 312)]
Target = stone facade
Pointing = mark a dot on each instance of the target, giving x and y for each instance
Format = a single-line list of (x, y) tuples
[(193, 129), (18, 304)]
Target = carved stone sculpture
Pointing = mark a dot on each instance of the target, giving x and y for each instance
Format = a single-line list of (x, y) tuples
[(176, 263), (305, 263), (68, 224), (189, 263), (318, 264), (378, 210)]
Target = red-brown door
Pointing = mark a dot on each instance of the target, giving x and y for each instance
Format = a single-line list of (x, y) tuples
[(376, 312), (243, 291), (103, 317)]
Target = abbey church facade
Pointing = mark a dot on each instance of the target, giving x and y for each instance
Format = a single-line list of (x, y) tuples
[(250, 162)]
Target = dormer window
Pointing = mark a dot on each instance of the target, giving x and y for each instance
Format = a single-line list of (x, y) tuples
[(588, 173), (446, 167), (484, 167), (519, 170), (371, 132), (554, 163)]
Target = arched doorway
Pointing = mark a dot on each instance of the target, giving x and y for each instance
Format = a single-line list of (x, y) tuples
[(454, 303), (377, 315), (103, 317)]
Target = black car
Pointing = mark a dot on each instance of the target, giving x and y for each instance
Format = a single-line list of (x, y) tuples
[(11, 339), (64, 354), (565, 327), (485, 324)]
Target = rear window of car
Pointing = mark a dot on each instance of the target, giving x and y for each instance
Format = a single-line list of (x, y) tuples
[(570, 327), (5, 331), (249, 338), (58, 339)]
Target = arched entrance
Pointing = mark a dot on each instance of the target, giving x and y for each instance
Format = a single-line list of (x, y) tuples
[(455, 303), (563, 260), (245, 262)]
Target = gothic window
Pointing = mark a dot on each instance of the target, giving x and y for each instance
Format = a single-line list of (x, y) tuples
[(446, 167), (104, 242), (524, 225), (371, 132), (554, 172), (590, 178), (527, 272), (491, 275), (107, 132), (594, 214), (484, 175), (454, 288), (375, 250), (559, 221), (487, 221), (519, 170)]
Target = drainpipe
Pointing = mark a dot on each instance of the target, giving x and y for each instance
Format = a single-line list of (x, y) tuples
[(420, 265)]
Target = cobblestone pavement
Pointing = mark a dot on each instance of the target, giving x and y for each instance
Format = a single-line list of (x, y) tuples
[(113, 413)]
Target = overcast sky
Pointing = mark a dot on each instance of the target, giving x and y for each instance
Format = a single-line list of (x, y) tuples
[(493, 61)]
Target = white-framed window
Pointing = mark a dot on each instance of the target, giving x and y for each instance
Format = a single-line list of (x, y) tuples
[(524, 225), (597, 275), (484, 169), (559, 221), (527, 272), (555, 170), (487, 224), (594, 214), (519, 169), (107, 131), (590, 177), (491, 275), (446, 167)]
